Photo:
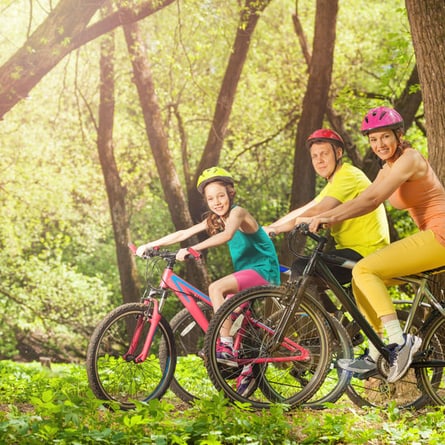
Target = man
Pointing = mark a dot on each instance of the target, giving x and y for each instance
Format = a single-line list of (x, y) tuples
[(354, 238)]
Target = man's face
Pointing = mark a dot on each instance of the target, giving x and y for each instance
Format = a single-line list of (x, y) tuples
[(324, 159)]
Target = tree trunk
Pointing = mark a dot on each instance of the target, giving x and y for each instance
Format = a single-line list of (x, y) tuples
[(115, 190), (43, 50), (427, 22), (159, 143), (248, 20), (315, 99), (315, 103)]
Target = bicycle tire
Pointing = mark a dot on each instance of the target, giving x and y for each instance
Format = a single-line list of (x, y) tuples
[(375, 391), (291, 382), (190, 381), (433, 348), (337, 380), (113, 378)]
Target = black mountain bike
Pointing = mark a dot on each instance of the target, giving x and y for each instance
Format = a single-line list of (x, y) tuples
[(423, 382)]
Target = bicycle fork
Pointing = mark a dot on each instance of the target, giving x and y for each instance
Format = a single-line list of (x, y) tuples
[(154, 317)]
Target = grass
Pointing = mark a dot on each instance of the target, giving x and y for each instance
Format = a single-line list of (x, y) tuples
[(55, 406)]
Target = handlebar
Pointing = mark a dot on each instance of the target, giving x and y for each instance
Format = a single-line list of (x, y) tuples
[(303, 228), (166, 254)]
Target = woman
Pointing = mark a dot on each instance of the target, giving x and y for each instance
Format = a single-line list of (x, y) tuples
[(253, 254), (408, 182)]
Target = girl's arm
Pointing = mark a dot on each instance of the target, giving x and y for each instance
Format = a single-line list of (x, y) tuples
[(237, 216), (173, 238), (386, 183)]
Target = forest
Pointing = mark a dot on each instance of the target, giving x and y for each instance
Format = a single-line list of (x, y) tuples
[(111, 109)]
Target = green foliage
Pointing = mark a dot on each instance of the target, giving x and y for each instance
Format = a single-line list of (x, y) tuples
[(40, 405), (48, 308)]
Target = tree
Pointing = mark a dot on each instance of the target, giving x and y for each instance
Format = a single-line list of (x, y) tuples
[(315, 99), (115, 190), (64, 30), (249, 16), (427, 22), (157, 137)]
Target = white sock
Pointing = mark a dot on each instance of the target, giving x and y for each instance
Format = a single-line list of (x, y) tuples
[(373, 352), (227, 340), (394, 332)]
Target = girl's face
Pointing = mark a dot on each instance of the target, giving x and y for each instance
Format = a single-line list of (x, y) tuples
[(217, 198), (384, 144)]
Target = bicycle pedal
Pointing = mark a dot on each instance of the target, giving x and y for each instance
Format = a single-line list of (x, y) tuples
[(366, 375)]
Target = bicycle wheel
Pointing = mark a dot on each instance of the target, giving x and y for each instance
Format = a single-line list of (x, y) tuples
[(289, 372), (114, 375), (337, 380), (374, 390), (433, 349), (191, 380)]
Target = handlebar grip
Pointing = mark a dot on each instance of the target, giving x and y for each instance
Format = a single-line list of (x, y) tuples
[(195, 254)]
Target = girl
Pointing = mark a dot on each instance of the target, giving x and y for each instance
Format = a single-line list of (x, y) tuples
[(253, 254)]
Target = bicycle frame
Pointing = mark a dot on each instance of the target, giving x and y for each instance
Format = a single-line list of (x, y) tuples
[(189, 296)]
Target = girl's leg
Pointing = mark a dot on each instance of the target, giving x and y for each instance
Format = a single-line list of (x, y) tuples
[(231, 284)]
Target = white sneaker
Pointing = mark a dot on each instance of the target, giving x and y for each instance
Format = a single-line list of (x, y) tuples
[(401, 356)]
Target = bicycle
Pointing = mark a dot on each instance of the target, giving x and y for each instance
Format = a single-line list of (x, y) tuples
[(424, 378), (135, 354), (182, 367)]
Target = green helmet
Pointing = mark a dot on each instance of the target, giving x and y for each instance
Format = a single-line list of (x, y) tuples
[(213, 174)]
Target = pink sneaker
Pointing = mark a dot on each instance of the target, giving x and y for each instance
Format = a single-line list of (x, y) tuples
[(245, 383), (225, 354)]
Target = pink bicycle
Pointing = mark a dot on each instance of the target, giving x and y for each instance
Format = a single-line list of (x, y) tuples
[(134, 351)]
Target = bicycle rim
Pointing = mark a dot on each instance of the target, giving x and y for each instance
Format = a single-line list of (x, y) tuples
[(280, 376), (114, 378), (433, 349), (190, 380)]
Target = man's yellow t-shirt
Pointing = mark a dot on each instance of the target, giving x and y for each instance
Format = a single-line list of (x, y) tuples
[(364, 234)]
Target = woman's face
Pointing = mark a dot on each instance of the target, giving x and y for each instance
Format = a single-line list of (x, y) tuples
[(217, 198), (384, 144)]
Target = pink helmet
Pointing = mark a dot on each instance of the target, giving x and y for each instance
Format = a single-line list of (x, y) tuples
[(381, 117), (325, 135)]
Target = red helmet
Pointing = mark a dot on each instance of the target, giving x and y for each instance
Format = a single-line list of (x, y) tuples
[(325, 135), (381, 117)]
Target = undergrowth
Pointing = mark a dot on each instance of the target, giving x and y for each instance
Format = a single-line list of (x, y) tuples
[(55, 406)]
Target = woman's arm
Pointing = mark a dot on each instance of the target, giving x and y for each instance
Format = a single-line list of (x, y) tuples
[(386, 183)]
